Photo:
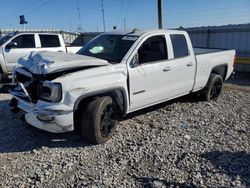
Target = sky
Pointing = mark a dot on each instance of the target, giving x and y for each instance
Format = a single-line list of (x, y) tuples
[(124, 14)]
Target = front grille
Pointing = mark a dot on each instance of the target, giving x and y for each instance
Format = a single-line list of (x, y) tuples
[(32, 85), (22, 78)]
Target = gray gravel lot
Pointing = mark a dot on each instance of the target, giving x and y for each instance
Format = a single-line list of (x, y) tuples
[(181, 143)]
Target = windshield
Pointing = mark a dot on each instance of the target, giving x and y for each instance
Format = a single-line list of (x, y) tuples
[(4, 39), (109, 47)]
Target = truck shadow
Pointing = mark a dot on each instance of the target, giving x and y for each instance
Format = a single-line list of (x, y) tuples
[(232, 164), (18, 136), (191, 98), (23, 137)]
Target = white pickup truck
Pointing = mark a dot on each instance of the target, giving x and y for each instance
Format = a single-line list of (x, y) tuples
[(16, 45), (114, 74)]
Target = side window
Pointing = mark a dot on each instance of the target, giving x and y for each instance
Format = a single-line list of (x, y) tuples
[(24, 41), (153, 49), (48, 41), (180, 47)]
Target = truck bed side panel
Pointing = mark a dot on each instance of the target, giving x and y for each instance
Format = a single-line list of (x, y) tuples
[(207, 61), (198, 51)]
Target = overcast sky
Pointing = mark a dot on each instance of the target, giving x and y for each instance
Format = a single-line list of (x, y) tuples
[(142, 14)]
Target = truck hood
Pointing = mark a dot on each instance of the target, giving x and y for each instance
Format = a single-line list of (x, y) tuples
[(52, 62)]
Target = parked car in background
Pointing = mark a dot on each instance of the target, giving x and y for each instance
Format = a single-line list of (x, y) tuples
[(16, 45), (113, 75)]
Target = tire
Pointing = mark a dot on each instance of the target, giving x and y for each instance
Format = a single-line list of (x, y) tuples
[(99, 120), (1, 77), (214, 88), (4, 78)]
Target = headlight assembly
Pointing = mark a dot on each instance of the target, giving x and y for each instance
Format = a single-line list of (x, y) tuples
[(51, 92)]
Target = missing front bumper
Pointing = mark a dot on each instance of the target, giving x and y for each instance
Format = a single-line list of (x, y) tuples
[(51, 121), (45, 117)]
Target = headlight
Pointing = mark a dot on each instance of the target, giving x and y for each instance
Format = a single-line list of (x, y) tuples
[(51, 92)]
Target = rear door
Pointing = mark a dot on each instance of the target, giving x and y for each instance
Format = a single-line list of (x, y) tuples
[(50, 43), (25, 44), (182, 66)]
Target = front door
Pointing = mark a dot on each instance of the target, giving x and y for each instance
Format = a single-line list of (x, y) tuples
[(147, 77), (25, 43)]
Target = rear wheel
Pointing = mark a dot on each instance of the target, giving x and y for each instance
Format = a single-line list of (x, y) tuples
[(214, 87), (99, 120)]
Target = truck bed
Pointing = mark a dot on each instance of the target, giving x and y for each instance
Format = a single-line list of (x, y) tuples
[(209, 58), (198, 51)]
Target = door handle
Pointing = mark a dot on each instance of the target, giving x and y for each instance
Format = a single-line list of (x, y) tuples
[(190, 64), (166, 69)]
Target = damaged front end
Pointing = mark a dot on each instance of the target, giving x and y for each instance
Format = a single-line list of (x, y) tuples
[(36, 92), (40, 99)]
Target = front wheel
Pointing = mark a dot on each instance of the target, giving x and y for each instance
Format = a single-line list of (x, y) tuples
[(99, 120), (214, 87)]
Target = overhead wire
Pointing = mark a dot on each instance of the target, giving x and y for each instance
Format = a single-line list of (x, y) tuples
[(119, 13), (125, 14), (204, 10), (128, 7), (38, 7), (25, 12)]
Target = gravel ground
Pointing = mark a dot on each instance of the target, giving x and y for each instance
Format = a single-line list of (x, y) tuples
[(181, 143)]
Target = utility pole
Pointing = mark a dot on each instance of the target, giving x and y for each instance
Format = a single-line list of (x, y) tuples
[(160, 19), (103, 17), (70, 24), (79, 17), (124, 24)]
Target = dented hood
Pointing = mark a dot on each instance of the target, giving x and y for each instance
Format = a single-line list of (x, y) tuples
[(51, 62)]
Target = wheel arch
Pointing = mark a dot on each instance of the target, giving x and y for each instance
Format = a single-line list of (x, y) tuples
[(117, 94), (220, 70)]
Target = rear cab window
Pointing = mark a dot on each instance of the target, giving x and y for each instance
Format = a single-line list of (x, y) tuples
[(180, 47), (49, 41)]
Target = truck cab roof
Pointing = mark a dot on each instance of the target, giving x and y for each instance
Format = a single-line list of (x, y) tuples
[(137, 32)]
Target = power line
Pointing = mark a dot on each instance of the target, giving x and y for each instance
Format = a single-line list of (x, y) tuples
[(211, 19), (126, 12), (206, 10), (192, 17), (28, 6), (34, 9), (185, 14), (12, 17), (119, 13), (218, 15), (19, 11), (194, 22)]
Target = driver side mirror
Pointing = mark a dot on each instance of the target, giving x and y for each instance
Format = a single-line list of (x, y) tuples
[(11, 45), (135, 61)]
